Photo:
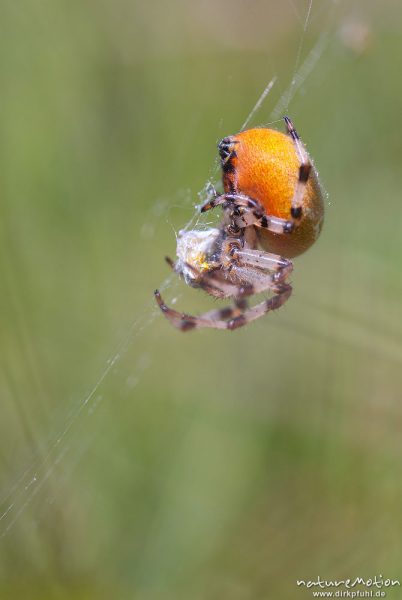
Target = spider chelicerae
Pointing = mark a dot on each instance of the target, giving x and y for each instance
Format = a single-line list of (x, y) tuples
[(273, 210)]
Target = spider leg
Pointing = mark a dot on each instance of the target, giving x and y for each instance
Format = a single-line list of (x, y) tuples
[(237, 199), (214, 284), (254, 313), (185, 322), (258, 259), (216, 319), (244, 217), (304, 172), (209, 282), (247, 265), (250, 212), (171, 263), (239, 306), (249, 284)]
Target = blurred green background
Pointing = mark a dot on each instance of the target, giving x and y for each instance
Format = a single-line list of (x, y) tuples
[(137, 462)]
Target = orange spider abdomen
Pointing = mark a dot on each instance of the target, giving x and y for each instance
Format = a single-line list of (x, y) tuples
[(264, 166)]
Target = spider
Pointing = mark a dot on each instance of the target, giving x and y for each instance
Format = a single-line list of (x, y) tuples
[(272, 211)]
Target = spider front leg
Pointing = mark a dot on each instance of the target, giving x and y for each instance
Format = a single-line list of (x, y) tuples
[(236, 199), (246, 211)]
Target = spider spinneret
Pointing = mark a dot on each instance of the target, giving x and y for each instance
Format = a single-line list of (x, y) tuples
[(273, 210)]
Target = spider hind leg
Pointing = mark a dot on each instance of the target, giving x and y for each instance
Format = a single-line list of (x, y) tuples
[(226, 318)]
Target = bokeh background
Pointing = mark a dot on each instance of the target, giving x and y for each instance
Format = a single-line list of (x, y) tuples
[(140, 463)]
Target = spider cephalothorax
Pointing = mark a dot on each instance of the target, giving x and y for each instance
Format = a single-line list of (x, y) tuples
[(272, 211)]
